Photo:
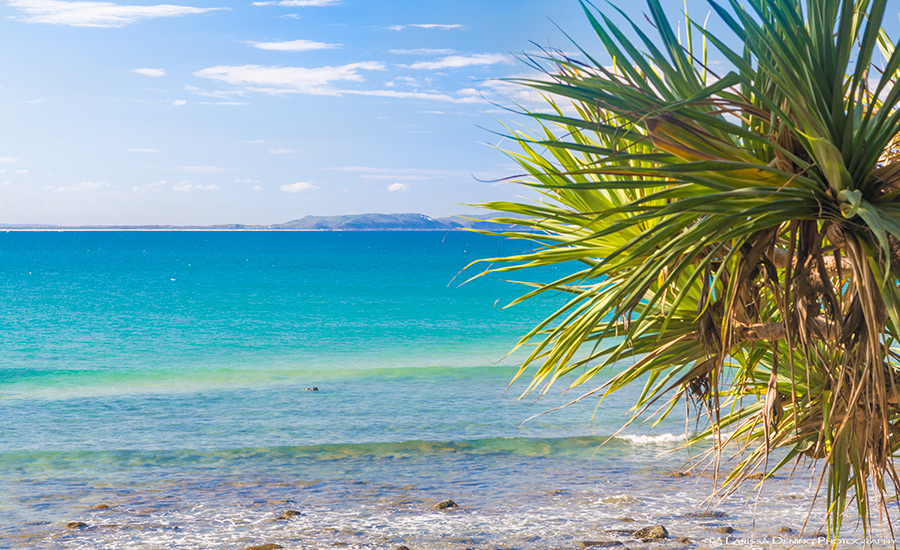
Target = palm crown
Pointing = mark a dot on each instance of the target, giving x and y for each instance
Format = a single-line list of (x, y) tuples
[(739, 233)]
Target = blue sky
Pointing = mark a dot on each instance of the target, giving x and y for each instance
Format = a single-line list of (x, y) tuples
[(208, 112)]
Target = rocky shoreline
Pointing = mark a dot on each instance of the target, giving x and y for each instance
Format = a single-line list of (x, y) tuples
[(716, 524)]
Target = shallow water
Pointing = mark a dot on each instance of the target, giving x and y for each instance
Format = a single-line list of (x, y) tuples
[(164, 375)]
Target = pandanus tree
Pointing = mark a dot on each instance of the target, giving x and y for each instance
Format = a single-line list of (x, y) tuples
[(736, 232)]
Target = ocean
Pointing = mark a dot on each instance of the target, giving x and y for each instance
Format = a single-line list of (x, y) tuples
[(153, 395)]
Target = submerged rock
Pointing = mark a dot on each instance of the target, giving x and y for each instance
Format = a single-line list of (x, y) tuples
[(402, 548), (600, 543), (288, 514), (100, 507), (785, 530), (446, 504), (264, 547), (76, 525), (726, 529), (653, 532), (706, 514), (680, 474)]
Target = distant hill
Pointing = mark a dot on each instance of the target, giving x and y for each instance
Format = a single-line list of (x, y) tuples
[(347, 222), (388, 222), (365, 222)]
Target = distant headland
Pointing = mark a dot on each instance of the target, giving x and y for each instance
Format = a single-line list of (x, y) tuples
[(347, 222)]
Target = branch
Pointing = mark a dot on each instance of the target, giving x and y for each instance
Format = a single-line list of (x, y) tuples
[(780, 259), (827, 330)]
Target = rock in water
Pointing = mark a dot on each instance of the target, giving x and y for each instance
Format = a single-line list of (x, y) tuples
[(100, 507), (727, 530), (600, 543), (653, 532), (445, 505), (402, 548), (706, 514), (288, 514), (76, 525), (264, 547)]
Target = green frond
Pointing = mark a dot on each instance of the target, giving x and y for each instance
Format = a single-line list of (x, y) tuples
[(736, 238)]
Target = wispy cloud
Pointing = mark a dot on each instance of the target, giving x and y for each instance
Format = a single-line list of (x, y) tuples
[(8, 160), (217, 94), (457, 61), (179, 102), (424, 51), (186, 187), (149, 72), (144, 150), (278, 80), (299, 3), (402, 177), (83, 186), (152, 187), (429, 96), (400, 174), (294, 46), (436, 26), (202, 169), (396, 187), (281, 151), (97, 14), (298, 187)]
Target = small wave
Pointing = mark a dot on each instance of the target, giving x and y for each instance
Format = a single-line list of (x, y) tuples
[(660, 439)]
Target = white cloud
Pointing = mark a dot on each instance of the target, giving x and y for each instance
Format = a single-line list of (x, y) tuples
[(153, 186), (299, 3), (8, 160), (218, 94), (22, 171), (97, 14), (149, 72), (239, 180), (402, 177), (457, 61), (294, 46), (431, 96), (395, 187), (201, 169), (428, 26), (281, 151), (186, 187), (144, 150), (424, 51), (179, 102), (401, 174), (298, 187), (257, 187), (276, 80), (84, 186)]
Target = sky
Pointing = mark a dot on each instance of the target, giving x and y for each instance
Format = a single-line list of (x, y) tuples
[(259, 112)]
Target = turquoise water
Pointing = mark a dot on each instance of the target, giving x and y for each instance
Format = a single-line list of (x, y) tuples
[(163, 374)]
